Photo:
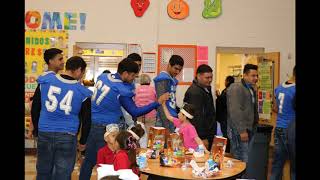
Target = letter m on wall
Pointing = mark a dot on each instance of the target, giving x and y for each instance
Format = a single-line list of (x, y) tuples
[(51, 21)]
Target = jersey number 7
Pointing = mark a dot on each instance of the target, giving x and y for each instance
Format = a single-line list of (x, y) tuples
[(105, 89)]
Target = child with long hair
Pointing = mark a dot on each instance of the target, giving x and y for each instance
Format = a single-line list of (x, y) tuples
[(190, 135), (125, 158), (106, 153), (139, 133)]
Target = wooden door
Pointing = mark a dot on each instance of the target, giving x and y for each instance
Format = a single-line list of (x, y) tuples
[(273, 57)]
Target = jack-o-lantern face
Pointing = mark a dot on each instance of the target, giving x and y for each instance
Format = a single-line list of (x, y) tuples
[(178, 9), (139, 6)]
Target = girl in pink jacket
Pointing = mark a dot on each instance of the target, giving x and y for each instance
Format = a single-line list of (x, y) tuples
[(146, 94)]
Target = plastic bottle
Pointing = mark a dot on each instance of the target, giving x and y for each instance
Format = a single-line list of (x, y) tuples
[(210, 163), (201, 149), (142, 161)]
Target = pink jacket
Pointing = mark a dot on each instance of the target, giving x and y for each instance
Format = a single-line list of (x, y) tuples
[(146, 94)]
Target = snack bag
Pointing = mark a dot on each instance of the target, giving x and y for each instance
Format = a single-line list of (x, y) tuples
[(175, 144), (156, 138), (218, 150)]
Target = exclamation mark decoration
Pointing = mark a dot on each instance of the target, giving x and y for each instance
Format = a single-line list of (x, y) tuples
[(83, 21)]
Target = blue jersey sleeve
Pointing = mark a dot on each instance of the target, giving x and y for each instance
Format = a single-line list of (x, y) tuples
[(85, 91), (165, 76), (45, 77), (129, 105), (126, 91)]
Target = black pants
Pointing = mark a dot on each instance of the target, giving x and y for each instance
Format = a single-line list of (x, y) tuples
[(223, 125)]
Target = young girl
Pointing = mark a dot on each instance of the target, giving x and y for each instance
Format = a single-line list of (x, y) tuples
[(125, 157), (106, 153), (190, 136)]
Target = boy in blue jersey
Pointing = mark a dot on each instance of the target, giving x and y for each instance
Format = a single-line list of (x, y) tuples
[(166, 82), (63, 100), (111, 92), (54, 59), (127, 120), (285, 107)]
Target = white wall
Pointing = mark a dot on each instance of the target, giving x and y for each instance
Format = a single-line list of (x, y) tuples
[(243, 23)]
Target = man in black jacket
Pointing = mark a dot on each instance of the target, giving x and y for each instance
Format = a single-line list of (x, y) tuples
[(199, 94), (221, 109)]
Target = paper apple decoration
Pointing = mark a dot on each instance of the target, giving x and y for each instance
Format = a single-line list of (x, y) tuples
[(139, 6)]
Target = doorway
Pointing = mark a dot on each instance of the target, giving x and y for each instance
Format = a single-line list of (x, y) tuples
[(230, 62)]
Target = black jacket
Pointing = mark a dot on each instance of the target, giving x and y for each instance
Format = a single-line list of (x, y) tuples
[(204, 116), (221, 105)]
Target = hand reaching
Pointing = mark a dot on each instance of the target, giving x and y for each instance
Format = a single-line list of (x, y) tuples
[(163, 98)]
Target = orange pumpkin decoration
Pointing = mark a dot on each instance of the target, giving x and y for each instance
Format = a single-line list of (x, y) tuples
[(178, 9)]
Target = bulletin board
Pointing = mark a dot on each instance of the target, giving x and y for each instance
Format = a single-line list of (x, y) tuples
[(265, 90), (189, 55), (149, 62)]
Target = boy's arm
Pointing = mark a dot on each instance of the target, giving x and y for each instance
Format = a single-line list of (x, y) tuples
[(85, 120), (162, 87), (166, 112), (35, 110), (199, 142), (129, 105)]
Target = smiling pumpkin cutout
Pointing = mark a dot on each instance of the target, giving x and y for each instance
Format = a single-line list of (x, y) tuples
[(139, 6), (178, 9)]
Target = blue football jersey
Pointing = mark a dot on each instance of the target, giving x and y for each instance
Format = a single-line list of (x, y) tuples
[(61, 101), (105, 106), (285, 94), (173, 82)]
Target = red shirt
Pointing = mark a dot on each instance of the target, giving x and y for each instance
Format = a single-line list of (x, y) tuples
[(105, 155), (121, 161)]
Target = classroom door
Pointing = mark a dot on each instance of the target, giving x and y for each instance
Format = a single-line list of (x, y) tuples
[(269, 71)]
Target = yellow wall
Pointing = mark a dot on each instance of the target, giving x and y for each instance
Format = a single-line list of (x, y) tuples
[(224, 63), (225, 60)]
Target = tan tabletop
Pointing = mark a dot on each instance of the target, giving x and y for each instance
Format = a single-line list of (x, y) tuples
[(176, 172)]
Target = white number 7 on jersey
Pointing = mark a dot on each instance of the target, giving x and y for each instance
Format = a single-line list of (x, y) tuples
[(65, 103), (105, 89), (281, 99)]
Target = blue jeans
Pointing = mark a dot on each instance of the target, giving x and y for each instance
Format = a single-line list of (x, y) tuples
[(280, 154), (95, 141), (292, 148), (56, 151), (239, 149)]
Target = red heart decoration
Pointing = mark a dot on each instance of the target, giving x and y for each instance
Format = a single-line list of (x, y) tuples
[(139, 6)]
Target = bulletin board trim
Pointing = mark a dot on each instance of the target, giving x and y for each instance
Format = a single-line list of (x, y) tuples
[(160, 46), (155, 54)]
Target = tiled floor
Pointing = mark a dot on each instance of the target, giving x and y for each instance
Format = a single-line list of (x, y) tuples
[(30, 169)]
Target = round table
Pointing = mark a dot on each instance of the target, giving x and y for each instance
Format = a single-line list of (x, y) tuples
[(154, 168)]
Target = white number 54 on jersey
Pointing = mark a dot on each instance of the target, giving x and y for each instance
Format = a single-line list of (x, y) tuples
[(65, 103)]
